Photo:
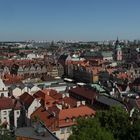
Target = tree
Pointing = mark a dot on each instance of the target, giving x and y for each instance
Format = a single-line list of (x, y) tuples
[(90, 129), (133, 132), (115, 120), (111, 124), (135, 115)]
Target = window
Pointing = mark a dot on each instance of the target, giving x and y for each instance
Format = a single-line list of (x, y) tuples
[(4, 112), (68, 130), (35, 108), (73, 119), (9, 94), (92, 115), (17, 112), (62, 130), (2, 94), (67, 119)]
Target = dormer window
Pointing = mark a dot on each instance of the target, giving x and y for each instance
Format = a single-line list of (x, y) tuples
[(92, 115), (73, 119), (67, 119)]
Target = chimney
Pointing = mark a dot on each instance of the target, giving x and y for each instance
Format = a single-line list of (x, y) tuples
[(67, 95), (59, 106), (83, 103), (78, 103), (63, 95), (48, 92), (46, 107)]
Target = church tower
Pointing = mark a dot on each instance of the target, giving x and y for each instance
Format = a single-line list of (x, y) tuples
[(117, 51)]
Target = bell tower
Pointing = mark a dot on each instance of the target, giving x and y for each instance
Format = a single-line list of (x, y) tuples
[(117, 51)]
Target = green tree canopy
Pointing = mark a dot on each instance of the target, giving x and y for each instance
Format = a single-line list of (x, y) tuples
[(133, 132), (90, 129), (112, 124), (115, 120)]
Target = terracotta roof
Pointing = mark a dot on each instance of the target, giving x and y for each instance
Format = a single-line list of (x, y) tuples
[(53, 93), (70, 101), (84, 92), (71, 113), (81, 62), (53, 115), (122, 75), (46, 116), (46, 99), (7, 62), (42, 114), (26, 99), (12, 79), (39, 94), (8, 103), (75, 112)]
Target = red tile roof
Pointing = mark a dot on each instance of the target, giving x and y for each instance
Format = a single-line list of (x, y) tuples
[(58, 117), (39, 94), (46, 117), (7, 62), (12, 79), (53, 114), (84, 92), (26, 99), (45, 97), (122, 75), (70, 101), (8, 103), (53, 93), (71, 113), (75, 112)]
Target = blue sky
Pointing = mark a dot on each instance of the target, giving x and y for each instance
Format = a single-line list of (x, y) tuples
[(69, 19)]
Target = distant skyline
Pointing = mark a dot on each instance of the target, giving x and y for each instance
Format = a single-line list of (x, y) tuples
[(83, 20)]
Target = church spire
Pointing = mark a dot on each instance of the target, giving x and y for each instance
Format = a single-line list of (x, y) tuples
[(117, 41)]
